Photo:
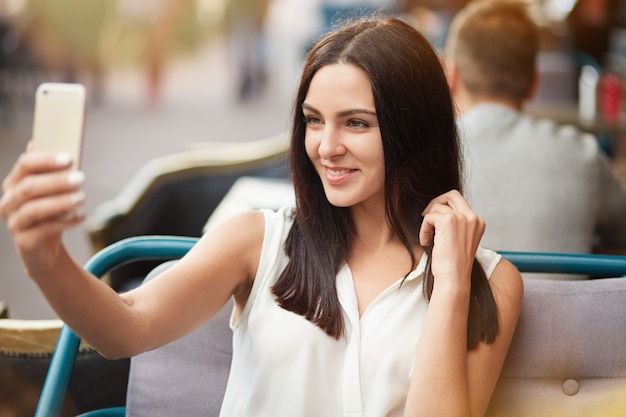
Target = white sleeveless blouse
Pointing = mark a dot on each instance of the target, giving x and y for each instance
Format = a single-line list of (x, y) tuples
[(284, 366)]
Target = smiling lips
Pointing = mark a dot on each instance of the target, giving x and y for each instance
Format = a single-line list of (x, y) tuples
[(336, 176)]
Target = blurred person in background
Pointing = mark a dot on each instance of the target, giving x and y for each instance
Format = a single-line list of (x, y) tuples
[(245, 25), (539, 186), (157, 21), (431, 17), (65, 37), (590, 25), (82, 25)]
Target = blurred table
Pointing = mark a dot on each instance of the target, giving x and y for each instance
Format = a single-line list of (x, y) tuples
[(252, 193)]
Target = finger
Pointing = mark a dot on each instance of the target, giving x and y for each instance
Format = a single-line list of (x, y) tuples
[(427, 231), (452, 198), (466, 212), (449, 222), (40, 186), (60, 209), (438, 220), (34, 162), (439, 208)]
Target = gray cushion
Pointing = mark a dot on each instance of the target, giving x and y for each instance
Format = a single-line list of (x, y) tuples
[(186, 377), (568, 355)]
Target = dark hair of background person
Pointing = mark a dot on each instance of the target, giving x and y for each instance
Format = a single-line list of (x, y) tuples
[(590, 26), (494, 44), (422, 161)]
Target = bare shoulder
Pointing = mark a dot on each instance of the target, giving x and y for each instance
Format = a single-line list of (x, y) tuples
[(252, 221), (508, 290), (507, 285), (233, 246), (240, 233)]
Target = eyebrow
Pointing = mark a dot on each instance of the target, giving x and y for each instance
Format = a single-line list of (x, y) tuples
[(343, 113)]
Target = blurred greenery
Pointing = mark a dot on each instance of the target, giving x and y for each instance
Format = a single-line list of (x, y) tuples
[(85, 33)]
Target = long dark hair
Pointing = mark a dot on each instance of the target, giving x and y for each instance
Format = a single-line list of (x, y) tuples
[(422, 160)]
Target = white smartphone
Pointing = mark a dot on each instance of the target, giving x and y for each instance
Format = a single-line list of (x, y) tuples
[(58, 122)]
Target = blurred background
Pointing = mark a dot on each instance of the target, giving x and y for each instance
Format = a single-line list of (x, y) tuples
[(168, 75)]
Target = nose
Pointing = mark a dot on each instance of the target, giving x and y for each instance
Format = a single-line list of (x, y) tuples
[(331, 143)]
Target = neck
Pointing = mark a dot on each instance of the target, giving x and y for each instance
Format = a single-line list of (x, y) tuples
[(465, 101), (371, 226)]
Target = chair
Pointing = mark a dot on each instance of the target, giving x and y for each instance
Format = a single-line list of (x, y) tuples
[(567, 358), (58, 376), (175, 195), (26, 348)]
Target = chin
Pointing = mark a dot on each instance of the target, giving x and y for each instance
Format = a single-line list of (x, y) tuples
[(340, 201), (339, 205)]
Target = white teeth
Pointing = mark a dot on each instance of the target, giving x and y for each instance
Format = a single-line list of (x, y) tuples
[(337, 172)]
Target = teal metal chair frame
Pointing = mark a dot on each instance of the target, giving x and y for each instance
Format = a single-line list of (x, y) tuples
[(171, 247), (62, 361)]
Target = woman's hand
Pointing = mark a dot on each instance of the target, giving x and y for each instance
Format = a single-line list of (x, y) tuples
[(467, 377), (454, 231), (41, 198)]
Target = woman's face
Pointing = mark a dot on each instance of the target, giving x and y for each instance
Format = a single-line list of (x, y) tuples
[(343, 136)]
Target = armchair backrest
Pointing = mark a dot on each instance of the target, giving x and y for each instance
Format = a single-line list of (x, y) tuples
[(567, 359), (568, 356), (176, 193)]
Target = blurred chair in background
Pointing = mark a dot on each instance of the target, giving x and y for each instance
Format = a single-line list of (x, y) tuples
[(26, 348), (177, 193)]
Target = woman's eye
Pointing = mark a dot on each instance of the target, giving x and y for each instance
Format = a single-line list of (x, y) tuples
[(357, 124), (311, 120)]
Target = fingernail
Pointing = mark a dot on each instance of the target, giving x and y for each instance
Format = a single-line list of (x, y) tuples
[(77, 197), (76, 177), (63, 158)]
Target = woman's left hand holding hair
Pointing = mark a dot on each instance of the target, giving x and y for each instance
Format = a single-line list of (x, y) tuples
[(466, 378), (454, 232)]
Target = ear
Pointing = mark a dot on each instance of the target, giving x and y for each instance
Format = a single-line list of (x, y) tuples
[(534, 86), (452, 74)]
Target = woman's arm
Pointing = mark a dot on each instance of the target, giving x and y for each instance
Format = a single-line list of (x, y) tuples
[(484, 363), (447, 379), (40, 200)]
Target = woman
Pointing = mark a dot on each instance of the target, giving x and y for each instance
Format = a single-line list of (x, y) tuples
[(331, 314)]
